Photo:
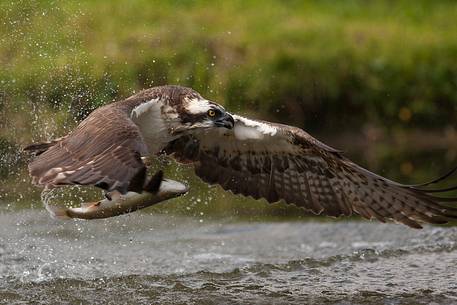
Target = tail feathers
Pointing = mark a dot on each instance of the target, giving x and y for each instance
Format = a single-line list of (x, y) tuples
[(39, 148), (56, 212)]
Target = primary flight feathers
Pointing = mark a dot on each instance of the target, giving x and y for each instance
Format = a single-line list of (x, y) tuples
[(248, 157)]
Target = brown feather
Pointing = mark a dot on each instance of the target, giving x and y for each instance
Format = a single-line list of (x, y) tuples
[(292, 166)]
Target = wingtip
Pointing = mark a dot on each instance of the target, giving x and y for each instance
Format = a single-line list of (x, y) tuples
[(434, 181)]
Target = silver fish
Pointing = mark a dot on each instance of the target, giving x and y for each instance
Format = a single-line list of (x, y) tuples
[(120, 204)]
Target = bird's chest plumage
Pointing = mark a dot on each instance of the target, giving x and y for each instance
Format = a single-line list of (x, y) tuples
[(154, 123)]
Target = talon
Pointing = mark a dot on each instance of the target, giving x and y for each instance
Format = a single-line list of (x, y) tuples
[(154, 184), (108, 196)]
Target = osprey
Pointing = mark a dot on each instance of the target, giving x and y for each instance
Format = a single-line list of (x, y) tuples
[(249, 157)]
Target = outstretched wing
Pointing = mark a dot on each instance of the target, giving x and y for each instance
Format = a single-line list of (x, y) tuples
[(275, 162), (104, 150)]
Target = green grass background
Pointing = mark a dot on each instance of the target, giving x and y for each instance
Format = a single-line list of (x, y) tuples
[(380, 69)]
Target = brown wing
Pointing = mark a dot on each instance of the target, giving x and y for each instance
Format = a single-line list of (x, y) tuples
[(104, 150), (275, 162)]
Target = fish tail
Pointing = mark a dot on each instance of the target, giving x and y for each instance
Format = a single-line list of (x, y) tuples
[(56, 212)]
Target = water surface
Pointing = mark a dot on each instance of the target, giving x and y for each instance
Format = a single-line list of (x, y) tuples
[(144, 258)]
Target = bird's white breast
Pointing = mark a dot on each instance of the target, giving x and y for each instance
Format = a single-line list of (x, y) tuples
[(152, 124)]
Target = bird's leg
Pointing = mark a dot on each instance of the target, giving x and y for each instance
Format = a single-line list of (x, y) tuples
[(113, 195), (153, 185), (108, 196)]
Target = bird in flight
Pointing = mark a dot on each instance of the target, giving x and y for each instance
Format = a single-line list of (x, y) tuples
[(249, 157)]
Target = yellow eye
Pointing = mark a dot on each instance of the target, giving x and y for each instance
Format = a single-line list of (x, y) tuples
[(211, 113)]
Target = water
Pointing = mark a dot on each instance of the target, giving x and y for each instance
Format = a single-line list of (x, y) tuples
[(144, 258)]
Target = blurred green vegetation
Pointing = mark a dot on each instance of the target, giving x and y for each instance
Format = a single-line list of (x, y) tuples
[(370, 68)]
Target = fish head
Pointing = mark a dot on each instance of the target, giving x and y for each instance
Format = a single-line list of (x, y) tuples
[(171, 189)]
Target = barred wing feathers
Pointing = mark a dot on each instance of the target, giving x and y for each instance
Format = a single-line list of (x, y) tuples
[(280, 162)]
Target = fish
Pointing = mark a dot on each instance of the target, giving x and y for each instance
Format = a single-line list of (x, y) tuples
[(118, 204)]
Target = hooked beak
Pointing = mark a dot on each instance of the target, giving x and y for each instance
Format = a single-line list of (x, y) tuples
[(226, 121)]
